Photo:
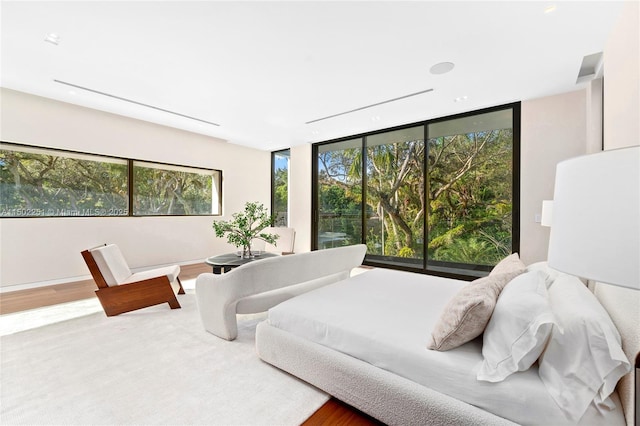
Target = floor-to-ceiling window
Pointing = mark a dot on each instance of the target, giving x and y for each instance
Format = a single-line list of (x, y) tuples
[(440, 196), (280, 186), (395, 196), (339, 194)]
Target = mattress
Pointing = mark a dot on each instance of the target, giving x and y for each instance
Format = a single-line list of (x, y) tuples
[(385, 317)]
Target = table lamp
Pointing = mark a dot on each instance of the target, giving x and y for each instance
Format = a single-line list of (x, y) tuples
[(595, 228)]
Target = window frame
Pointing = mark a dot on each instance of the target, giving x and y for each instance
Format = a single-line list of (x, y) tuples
[(273, 181), (370, 260), (130, 182)]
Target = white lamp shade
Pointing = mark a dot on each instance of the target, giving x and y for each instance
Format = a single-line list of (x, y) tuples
[(595, 229), (547, 212)]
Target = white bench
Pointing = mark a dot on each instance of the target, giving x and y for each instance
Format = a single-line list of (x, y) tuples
[(260, 285)]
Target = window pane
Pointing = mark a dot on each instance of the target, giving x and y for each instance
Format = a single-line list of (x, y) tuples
[(340, 194), (38, 182), (395, 196), (160, 189), (439, 194), (280, 187), (469, 174)]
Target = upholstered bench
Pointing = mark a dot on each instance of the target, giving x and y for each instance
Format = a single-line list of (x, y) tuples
[(258, 286)]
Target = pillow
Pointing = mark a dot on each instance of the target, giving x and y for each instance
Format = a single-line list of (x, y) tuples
[(511, 263), (518, 329), (466, 315), (583, 360), (550, 273)]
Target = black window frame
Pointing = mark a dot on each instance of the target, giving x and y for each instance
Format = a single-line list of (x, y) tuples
[(273, 181), (130, 182), (423, 267)]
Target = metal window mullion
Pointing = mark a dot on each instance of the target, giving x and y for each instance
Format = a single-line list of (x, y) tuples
[(130, 185), (363, 182)]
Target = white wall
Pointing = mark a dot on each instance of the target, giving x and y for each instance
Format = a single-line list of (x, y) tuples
[(300, 196), (44, 251), (552, 129), (622, 80)]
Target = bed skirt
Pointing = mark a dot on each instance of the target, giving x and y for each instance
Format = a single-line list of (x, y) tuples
[(385, 396)]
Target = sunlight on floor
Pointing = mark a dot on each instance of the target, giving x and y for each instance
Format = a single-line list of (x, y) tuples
[(34, 318)]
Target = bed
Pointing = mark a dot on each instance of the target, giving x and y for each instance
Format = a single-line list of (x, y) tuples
[(364, 341)]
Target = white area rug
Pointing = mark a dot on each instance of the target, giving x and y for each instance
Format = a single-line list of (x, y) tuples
[(152, 366)]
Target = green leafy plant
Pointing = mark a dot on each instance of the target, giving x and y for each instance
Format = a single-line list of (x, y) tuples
[(246, 227)]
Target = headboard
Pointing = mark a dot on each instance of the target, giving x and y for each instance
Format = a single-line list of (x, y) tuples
[(623, 306)]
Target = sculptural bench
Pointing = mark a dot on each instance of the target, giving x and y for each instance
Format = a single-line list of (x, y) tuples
[(259, 286)]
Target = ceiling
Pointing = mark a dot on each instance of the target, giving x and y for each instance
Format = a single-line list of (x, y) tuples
[(263, 70)]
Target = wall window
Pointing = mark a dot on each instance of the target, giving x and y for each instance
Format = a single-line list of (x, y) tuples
[(41, 182), (470, 181), (438, 196), (161, 189), (37, 182), (339, 193), (395, 195), (280, 186)]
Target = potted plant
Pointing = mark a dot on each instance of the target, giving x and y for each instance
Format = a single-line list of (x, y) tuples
[(246, 227)]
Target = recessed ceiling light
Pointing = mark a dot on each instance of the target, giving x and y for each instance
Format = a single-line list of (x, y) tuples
[(550, 9), (52, 38), (442, 68), (375, 118), (460, 99)]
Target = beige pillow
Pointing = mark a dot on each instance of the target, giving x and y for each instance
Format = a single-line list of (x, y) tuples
[(510, 263), (467, 313)]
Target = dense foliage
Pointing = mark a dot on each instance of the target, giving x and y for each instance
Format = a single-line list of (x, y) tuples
[(280, 196), (171, 192), (464, 191), (34, 183)]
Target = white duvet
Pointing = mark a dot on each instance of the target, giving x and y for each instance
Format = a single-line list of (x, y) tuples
[(385, 318)]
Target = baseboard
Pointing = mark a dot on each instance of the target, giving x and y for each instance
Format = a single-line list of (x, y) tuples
[(38, 284)]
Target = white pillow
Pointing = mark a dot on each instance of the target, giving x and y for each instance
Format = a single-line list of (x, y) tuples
[(519, 328), (583, 360), (550, 273)]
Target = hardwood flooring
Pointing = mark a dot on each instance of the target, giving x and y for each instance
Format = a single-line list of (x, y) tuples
[(333, 413)]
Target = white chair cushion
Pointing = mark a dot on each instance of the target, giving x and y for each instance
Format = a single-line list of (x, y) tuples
[(285, 241), (111, 263), (171, 272)]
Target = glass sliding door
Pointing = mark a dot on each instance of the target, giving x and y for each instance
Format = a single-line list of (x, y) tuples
[(439, 196), (395, 205), (339, 194), (470, 192)]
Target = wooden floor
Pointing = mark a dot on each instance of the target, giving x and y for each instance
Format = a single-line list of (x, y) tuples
[(334, 412)]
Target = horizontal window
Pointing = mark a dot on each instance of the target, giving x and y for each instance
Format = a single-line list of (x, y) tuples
[(160, 189), (42, 182)]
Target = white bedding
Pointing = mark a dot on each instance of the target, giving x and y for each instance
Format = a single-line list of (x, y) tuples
[(385, 318)]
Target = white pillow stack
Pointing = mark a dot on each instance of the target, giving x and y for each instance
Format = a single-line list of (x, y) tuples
[(552, 317), (584, 360), (519, 328)]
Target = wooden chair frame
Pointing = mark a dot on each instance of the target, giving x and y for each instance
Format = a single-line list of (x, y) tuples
[(119, 299)]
